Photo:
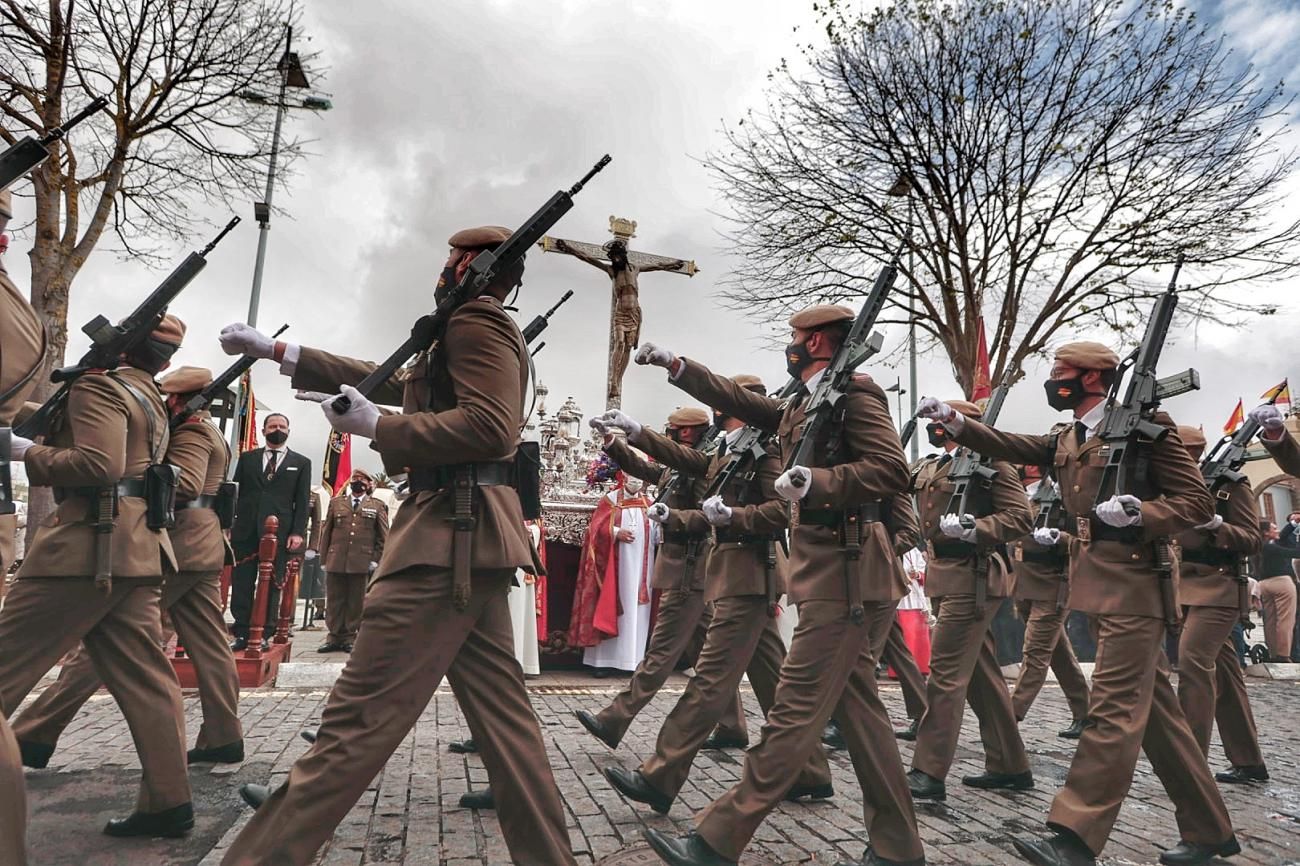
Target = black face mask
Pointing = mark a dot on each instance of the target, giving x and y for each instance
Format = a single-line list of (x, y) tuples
[(937, 434), (277, 437), (1064, 395), (152, 355), (797, 358), (720, 418), (358, 488)]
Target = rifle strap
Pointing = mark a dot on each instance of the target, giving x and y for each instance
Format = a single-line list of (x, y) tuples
[(769, 577), (157, 443), (463, 521)]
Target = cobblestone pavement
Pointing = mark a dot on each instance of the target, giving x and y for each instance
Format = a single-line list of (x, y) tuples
[(409, 813)]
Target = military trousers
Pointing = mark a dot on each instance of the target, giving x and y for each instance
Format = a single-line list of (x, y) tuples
[(412, 635), (964, 669), (13, 804), (43, 619), (831, 669), (741, 639), (193, 601), (1134, 708), (680, 628), (1047, 645), (1210, 685), (894, 651), (345, 594)]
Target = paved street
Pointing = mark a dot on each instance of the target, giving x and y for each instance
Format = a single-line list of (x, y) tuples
[(409, 814)]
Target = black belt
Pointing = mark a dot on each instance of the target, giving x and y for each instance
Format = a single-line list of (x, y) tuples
[(1123, 534), (1212, 557), (952, 549), (444, 477), (127, 487), (868, 512), (1044, 556), (203, 500), (726, 536), (681, 536)]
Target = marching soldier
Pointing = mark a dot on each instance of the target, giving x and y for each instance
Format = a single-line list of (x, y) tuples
[(830, 667), (745, 575), (351, 543), (1210, 682), (463, 406), (679, 572), (1133, 705), (112, 429), (1042, 562), (963, 661), (191, 597)]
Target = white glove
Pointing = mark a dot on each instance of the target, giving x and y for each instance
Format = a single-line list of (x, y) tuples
[(794, 483), (240, 339), (658, 513), (716, 512), (373, 565), (1214, 523), (934, 409), (651, 354), (1269, 417), (950, 525), (360, 419), (310, 555), (616, 419), (597, 424), (1047, 537), (18, 446), (1115, 511), (312, 396)]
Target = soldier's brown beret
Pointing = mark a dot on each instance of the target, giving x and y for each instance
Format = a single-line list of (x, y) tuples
[(750, 382), (966, 407), (1087, 355), (482, 237), (820, 314), (6, 204), (169, 330), (185, 380), (1193, 437), (363, 473), (688, 416)]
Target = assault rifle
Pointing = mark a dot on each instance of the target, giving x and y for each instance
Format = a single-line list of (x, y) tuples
[(969, 470), (1051, 515), (675, 476), (909, 430), (540, 323), (484, 268), (1128, 425), (28, 152), (750, 445), (218, 386)]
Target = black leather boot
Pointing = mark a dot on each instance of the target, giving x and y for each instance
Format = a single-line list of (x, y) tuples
[(1001, 781), (717, 740), (926, 787), (634, 786), (35, 755), (1196, 853), (812, 792), (909, 733), (690, 850), (1063, 849), (480, 799), (1075, 731), (1235, 776), (169, 823), (463, 747), (596, 729), (230, 753), (309, 734), (254, 795)]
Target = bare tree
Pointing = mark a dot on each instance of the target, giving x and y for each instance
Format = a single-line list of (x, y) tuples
[(1055, 150)]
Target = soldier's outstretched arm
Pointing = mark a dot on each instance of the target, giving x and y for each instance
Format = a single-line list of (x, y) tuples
[(632, 463), (683, 458), (1032, 449)]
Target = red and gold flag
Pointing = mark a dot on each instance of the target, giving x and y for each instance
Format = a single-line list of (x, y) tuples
[(247, 420), (338, 461), (1238, 418), (982, 388), (1278, 394)]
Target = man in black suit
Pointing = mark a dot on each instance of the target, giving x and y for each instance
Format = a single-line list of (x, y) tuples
[(272, 480)]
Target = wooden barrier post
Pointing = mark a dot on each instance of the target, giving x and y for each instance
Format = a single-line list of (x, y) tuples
[(266, 550), (288, 598)]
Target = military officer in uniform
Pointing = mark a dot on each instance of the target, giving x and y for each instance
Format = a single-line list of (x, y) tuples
[(351, 543), (1042, 563), (963, 661), (191, 597), (1114, 577), (683, 616), (113, 427), (463, 404), (1211, 579), (842, 497), (744, 577)]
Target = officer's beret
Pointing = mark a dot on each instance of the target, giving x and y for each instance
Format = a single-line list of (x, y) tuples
[(1193, 437), (480, 238), (967, 408), (688, 416), (750, 382), (1087, 355), (819, 315), (6, 204), (169, 330), (185, 380), (363, 473)]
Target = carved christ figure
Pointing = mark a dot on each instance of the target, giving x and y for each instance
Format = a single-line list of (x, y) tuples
[(625, 333)]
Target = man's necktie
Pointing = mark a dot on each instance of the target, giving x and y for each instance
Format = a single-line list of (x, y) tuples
[(356, 503), (270, 465), (1080, 432)]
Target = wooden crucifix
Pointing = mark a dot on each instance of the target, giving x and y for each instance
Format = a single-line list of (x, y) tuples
[(622, 266)]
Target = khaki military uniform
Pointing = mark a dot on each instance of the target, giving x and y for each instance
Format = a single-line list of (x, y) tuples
[(683, 617), (191, 597), (464, 403), (1042, 598), (351, 539), (830, 667), (1210, 681), (742, 636), (1113, 576), (101, 438), (963, 659), (1285, 451)]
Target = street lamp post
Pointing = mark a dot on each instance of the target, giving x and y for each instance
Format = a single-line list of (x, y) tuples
[(902, 188)]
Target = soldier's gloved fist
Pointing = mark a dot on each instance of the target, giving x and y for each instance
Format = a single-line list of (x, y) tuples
[(310, 555), (1268, 417), (616, 419), (716, 512), (951, 526), (1047, 537), (1212, 524), (18, 446), (934, 409), (794, 483), (373, 565), (240, 339), (1120, 511), (651, 354), (360, 419), (658, 513)]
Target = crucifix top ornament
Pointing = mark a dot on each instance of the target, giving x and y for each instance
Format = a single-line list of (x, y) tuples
[(623, 266)]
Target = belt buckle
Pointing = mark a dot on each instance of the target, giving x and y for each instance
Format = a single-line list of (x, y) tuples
[(1083, 529)]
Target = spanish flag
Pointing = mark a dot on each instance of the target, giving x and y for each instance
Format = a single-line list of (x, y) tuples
[(1238, 418), (982, 388), (247, 419), (1280, 393)]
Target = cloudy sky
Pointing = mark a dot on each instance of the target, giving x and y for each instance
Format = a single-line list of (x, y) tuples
[(466, 112)]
